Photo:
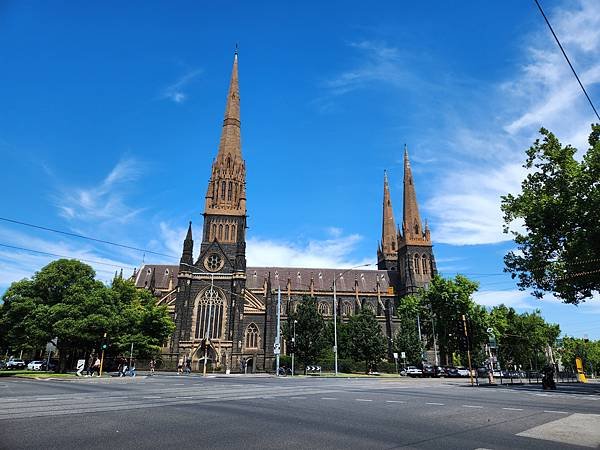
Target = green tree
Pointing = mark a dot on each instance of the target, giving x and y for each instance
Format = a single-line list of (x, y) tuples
[(64, 303), (523, 339), (366, 341), (407, 337), (141, 321), (444, 303), (558, 245), (311, 335)]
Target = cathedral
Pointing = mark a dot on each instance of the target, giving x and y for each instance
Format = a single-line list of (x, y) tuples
[(217, 297)]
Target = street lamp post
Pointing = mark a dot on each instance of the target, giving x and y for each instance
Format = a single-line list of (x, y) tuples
[(335, 346), (294, 345)]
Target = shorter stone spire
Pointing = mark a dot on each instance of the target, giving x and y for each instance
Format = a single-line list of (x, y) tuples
[(187, 258), (412, 226)]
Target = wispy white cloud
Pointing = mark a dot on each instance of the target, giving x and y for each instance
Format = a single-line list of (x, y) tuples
[(175, 91), (334, 251), (513, 298), (482, 166), (16, 264), (106, 200)]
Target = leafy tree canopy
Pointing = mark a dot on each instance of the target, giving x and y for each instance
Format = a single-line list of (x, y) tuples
[(366, 341), (311, 335), (559, 210), (64, 303)]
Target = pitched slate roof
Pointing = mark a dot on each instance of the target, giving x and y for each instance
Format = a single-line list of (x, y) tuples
[(300, 278)]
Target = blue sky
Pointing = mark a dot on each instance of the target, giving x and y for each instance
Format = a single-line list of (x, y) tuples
[(111, 116)]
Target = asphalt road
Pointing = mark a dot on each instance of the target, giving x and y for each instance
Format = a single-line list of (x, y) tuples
[(265, 412)]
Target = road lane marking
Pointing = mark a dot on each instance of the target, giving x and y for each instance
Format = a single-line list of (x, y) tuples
[(186, 398), (472, 406), (394, 401), (513, 409), (298, 398), (151, 397), (328, 398), (363, 400), (556, 412), (433, 403), (580, 429), (46, 398)]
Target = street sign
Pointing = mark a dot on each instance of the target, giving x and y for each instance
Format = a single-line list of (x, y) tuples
[(80, 366), (403, 354), (276, 348), (395, 355)]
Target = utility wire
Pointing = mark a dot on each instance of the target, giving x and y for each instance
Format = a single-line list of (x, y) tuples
[(14, 247), (567, 58), (66, 233)]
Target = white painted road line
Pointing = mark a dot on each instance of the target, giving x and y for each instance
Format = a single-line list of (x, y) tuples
[(472, 406), (298, 398), (328, 398), (512, 409), (433, 403), (151, 397), (41, 399), (186, 398), (363, 400), (394, 401), (556, 412)]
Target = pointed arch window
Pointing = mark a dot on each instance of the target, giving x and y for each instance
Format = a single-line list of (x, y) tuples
[(324, 309), (235, 196), (226, 232), (233, 235), (220, 232), (229, 191), (425, 265), (347, 309), (214, 232), (223, 185), (417, 263), (209, 314), (252, 336)]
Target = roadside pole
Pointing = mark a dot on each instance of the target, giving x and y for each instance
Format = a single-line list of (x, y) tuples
[(335, 353), (468, 350), (130, 356), (294, 345), (207, 333), (102, 357), (277, 346)]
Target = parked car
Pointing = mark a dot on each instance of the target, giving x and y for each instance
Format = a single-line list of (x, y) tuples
[(428, 370), (413, 371), (36, 365), (462, 371), (15, 364), (452, 372)]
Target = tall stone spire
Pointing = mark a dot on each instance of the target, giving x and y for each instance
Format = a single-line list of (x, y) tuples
[(231, 141), (412, 227), (386, 254), (226, 193)]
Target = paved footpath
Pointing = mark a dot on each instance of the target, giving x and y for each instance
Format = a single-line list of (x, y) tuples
[(266, 412)]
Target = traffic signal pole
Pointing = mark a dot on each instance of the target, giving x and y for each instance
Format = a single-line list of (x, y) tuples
[(102, 357)]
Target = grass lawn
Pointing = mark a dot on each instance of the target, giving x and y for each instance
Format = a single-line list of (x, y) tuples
[(34, 374)]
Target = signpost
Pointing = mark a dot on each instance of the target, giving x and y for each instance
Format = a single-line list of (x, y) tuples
[(396, 361)]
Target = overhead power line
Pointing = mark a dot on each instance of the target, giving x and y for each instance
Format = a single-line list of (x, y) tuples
[(14, 247), (80, 236), (567, 58)]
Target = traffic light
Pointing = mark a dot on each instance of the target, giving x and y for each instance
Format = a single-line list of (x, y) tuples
[(104, 343)]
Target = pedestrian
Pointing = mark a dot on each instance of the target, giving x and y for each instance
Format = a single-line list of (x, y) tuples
[(180, 366), (96, 366), (152, 366), (90, 365), (188, 366)]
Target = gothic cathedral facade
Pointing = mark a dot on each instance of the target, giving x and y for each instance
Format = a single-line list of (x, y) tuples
[(215, 298)]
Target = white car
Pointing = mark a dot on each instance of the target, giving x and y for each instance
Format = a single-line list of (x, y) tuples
[(413, 371), (463, 372), (36, 365)]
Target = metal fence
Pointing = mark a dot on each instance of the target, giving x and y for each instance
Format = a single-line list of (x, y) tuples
[(522, 377)]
